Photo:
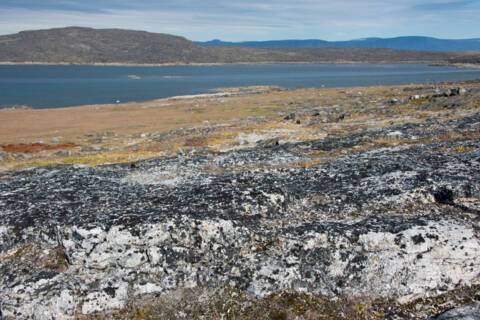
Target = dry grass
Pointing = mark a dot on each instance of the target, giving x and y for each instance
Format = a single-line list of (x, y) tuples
[(307, 164), (231, 304), (123, 131), (56, 260), (29, 126), (459, 149), (219, 139), (89, 160)]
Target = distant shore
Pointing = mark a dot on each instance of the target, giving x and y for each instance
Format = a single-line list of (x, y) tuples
[(175, 64), (465, 65), (111, 64)]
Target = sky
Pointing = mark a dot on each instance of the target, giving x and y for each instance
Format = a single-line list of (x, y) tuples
[(239, 20)]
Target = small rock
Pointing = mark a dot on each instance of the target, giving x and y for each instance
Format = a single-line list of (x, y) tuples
[(63, 153), (22, 156), (417, 97), (451, 106), (395, 134), (142, 135), (93, 148), (291, 116), (269, 143), (393, 101)]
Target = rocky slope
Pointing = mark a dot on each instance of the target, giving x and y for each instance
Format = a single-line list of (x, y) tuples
[(389, 223), (86, 46), (386, 225)]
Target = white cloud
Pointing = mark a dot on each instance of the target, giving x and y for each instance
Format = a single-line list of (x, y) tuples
[(251, 20)]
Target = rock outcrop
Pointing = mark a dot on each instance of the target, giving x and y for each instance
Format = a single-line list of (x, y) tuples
[(394, 223), (470, 312)]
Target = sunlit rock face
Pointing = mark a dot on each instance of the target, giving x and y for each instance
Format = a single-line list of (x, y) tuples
[(391, 222)]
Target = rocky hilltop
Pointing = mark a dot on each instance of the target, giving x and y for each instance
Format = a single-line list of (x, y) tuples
[(377, 217), (88, 46)]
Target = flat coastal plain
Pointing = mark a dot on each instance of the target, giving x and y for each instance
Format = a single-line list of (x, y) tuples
[(231, 119)]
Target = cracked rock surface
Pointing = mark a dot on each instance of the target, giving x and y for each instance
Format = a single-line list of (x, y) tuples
[(395, 223)]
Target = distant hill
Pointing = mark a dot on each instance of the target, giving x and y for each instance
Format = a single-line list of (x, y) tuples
[(77, 45), (84, 45), (399, 43)]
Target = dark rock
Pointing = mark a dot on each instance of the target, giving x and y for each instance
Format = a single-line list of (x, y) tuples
[(290, 117), (470, 312), (452, 106), (444, 196), (418, 239), (455, 92), (393, 101), (269, 143)]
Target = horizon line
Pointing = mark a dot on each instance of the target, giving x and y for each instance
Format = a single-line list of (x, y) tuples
[(242, 41)]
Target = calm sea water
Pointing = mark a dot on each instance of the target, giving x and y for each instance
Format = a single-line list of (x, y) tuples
[(60, 86)]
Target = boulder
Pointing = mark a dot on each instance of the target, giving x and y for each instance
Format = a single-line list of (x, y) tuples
[(456, 92), (469, 312), (268, 143), (393, 101)]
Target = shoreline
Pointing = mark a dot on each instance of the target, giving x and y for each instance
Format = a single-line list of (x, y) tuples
[(217, 93), (206, 64), (220, 93)]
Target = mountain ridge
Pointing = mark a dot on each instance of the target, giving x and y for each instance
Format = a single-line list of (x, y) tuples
[(80, 45), (416, 43)]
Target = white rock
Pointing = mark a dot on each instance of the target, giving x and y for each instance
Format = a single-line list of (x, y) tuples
[(132, 259), (155, 255), (148, 288), (395, 134), (101, 301)]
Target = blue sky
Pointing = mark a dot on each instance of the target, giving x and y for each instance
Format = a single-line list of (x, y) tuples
[(237, 20)]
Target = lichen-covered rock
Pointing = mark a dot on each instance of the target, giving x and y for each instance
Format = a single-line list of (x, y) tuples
[(470, 312), (392, 222)]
